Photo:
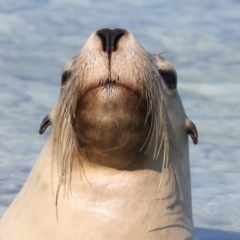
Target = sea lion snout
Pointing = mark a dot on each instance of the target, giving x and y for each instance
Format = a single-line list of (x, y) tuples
[(110, 81)]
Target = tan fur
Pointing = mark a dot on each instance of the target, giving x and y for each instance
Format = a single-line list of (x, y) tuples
[(116, 164)]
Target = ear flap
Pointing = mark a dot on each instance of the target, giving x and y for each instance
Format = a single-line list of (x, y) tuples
[(45, 123), (192, 130)]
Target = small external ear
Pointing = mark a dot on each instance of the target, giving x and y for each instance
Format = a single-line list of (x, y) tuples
[(45, 123), (192, 130)]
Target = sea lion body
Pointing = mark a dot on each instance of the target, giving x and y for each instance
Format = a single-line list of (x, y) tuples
[(116, 163)]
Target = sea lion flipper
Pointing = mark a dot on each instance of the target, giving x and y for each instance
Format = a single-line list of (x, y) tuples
[(192, 130), (45, 123)]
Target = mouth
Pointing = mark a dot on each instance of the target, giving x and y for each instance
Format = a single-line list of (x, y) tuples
[(108, 86)]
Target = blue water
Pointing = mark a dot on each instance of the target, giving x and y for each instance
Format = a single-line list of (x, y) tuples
[(200, 38)]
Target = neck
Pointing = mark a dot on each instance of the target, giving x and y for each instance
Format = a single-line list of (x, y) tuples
[(159, 199)]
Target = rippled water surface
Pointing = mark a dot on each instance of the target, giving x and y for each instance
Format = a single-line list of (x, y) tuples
[(200, 38)]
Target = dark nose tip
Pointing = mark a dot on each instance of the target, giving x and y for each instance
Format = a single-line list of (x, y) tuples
[(110, 38)]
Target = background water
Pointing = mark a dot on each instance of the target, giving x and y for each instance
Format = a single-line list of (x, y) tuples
[(202, 40)]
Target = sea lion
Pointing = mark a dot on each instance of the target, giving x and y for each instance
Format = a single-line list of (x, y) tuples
[(116, 163)]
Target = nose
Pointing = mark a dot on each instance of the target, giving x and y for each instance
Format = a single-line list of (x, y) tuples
[(110, 38)]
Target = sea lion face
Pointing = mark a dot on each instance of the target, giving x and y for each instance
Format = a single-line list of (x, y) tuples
[(118, 96)]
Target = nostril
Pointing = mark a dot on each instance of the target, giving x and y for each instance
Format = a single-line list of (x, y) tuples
[(105, 35), (110, 38), (116, 35)]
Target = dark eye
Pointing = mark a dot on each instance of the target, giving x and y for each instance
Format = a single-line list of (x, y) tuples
[(65, 76), (170, 80)]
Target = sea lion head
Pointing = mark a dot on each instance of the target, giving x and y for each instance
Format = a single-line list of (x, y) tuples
[(119, 105)]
